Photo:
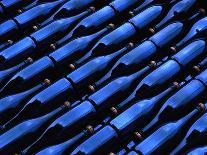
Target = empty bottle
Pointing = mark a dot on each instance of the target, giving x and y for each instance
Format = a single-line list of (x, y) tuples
[(93, 22), (48, 65), (11, 104), (14, 27), (166, 136), (193, 137), (40, 38), (124, 124), (179, 103)]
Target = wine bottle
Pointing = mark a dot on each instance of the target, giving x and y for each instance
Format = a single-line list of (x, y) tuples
[(70, 8), (179, 9), (12, 5), (10, 105), (123, 124), (40, 38), (142, 53), (7, 73), (147, 3), (65, 146), (43, 102), (198, 28), (155, 81), (26, 132), (21, 22), (194, 136), (179, 103), (48, 65), (198, 151), (165, 137), (95, 69), (117, 38), (79, 116), (146, 50), (92, 23)]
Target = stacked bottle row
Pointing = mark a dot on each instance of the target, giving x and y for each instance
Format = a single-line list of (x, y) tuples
[(71, 82)]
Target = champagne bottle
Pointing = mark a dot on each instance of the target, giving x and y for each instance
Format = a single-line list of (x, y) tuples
[(117, 38), (198, 28), (97, 19), (6, 74), (179, 9), (165, 137), (12, 5), (24, 133), (155, 81), (194, 136), (146, 50), (10, 105), (21, 22), (65, 146), (70, 8), (43, 102), (40, 38), (147, 3), (142, 53), (48, 65), (98, 102), (124, 123), (95, 69), (179, 103)]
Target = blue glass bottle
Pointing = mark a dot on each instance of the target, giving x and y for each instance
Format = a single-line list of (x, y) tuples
[(180, 8), (47, 65), (18, 137), (155, 81), (183, 99), (40, 38), (168, 134), (36, 14), (95, 103), (9, 105), (124, 124), (143, 52), (193, 136), (93, 22), (122, 34)]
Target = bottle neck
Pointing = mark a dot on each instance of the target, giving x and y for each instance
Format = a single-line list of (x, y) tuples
[(165, 93), (121, 51), (100, 33)]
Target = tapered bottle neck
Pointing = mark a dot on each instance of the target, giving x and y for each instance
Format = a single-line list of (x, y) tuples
[(165, 93)]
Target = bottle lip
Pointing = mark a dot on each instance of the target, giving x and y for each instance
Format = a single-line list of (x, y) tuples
[(90, 129), (130, 45), (197, 68), (92, 9), (114, 110), (202, 11), (72, 67), (152, 30), (47, 82), (176, 84), (92, 88), (111, 26), (138, 135), (67, 104), (173, 49), (201, 107), (29, 60)]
